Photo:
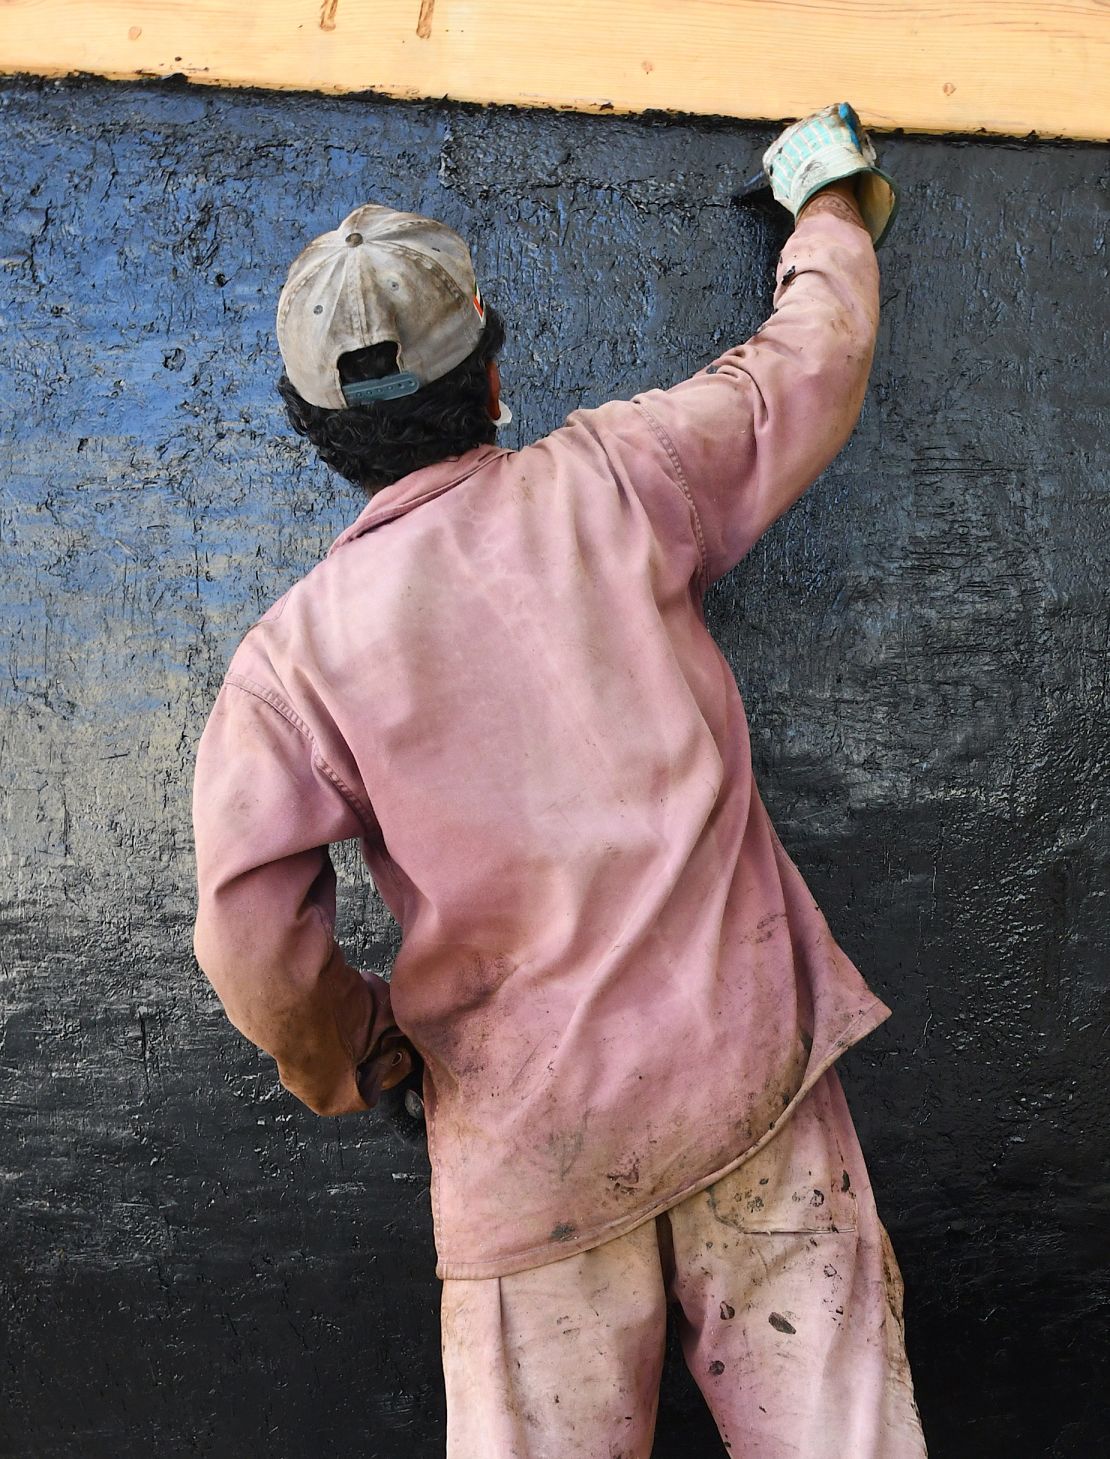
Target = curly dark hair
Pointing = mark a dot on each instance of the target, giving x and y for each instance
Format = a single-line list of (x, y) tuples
[(375, 444)]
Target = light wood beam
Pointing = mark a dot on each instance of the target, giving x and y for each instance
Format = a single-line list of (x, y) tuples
[(1008, 67)]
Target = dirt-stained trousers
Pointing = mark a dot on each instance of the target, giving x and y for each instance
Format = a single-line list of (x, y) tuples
[(789, 1305)]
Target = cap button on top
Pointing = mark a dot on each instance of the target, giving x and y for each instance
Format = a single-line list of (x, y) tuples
[(354, 239)]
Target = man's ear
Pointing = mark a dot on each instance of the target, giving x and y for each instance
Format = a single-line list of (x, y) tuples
[(493, 375)]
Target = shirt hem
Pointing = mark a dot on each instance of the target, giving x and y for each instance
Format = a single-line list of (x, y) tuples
[(448, 1269)]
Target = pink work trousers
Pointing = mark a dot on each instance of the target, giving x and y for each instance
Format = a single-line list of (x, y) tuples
[(789, 1304)]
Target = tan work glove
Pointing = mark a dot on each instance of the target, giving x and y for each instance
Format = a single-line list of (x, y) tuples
[(831, 146)]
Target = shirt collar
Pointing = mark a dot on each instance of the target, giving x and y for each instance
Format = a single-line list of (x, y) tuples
[(419, 486)]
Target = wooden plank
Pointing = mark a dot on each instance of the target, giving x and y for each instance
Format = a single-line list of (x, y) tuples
[(1010, 67)]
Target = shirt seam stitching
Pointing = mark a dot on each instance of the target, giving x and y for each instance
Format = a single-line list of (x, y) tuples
[(663, 436), (276, 703)]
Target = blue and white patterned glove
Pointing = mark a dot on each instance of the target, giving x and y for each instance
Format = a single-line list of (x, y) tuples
[(831, 146)]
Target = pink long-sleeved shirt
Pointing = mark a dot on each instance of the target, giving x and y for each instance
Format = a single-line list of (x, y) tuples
[(501, 682)]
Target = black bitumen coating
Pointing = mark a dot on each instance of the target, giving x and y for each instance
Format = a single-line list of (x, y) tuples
[(193, 1264)]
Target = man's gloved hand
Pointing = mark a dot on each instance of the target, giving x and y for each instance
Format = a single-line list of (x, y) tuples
[(392, 1081), (831, 146)]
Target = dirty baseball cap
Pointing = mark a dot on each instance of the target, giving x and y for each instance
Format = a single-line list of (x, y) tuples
[(380, 276)]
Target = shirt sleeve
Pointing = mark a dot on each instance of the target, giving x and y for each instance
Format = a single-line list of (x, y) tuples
[(749, 433), (265, 810)]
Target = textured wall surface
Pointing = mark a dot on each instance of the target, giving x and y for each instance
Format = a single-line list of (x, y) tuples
[(191, 1262)]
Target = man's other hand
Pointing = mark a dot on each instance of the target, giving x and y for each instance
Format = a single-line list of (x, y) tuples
[(386, 1066)]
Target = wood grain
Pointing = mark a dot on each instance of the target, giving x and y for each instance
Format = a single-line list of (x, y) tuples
[(996, 66)]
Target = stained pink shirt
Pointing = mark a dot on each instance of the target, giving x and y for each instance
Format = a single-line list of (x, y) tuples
[(501, 682)]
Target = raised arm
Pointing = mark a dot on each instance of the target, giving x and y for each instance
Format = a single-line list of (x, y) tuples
[(751, 431), (265, 810)]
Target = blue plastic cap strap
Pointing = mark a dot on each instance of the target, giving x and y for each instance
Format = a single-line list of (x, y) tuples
[(391, 387)]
